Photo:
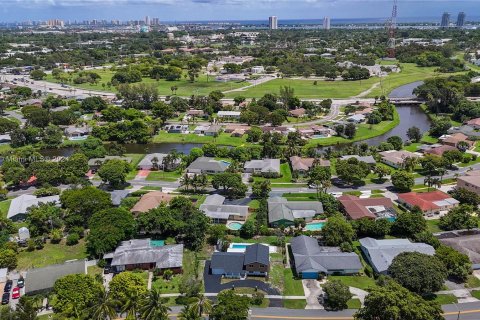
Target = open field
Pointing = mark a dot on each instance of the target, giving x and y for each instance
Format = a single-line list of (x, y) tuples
[(223, 139), (164, 176), (51, 254), (201, 86)]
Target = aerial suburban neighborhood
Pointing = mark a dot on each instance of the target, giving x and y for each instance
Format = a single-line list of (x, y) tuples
[(259, 169)]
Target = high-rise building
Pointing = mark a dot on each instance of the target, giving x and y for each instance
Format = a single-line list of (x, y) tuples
[(147, 20), (326, 23), (55, 23), (155, 22), (461, 19), (445, 20), (273, 23)]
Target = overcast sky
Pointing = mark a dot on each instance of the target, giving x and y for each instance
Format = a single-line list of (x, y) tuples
[(181, 10)]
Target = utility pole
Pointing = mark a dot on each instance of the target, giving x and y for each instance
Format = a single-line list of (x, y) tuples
[(392, 30)]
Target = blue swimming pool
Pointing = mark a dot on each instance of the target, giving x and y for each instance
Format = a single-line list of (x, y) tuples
[(234, 225), (314, 226), (157, 243), (392, 219), (318, 136), (239, 246)]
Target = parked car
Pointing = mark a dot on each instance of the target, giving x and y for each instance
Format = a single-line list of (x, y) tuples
[(6, 298), (21, 283), (16, 293), (106, 270), (8, 286)]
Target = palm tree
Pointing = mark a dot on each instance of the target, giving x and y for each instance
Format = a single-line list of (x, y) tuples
[(104, 307), (154, 307), (132, 305), (189, 313), (185, 181), (155, 163), (203, 305)]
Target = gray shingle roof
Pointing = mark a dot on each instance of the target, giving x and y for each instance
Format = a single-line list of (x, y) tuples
[(213, 207), (139, 251), (257, 253), (265, 165), (281, 209), (117, 196), (207, 164), (42, 279), (310, 257), (366, 159), (20, 204), (382, 252), (230, 262)]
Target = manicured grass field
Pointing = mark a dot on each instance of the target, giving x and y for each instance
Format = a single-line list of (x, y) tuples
[(361, 282), (292, 287), (286, 175), (201, 86), (304, 88), (294, 304), (4, 206), (445, 299), (472, 282), (223, 139), (51, 254), (164, 176), (364, 132)]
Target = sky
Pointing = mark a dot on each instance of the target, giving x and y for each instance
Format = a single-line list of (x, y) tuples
[(222, 10)]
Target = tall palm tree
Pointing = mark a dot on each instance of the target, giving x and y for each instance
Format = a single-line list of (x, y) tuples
[(203, 305), (189, 313), (132, 305), (153, 307), (104, 307)]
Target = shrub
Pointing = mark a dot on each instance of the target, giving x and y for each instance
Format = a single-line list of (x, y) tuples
[(72, 239), (257, 298)]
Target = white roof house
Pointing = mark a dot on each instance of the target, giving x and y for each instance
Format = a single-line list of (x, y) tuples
[(229, 114), (19, 205), (263, 166)]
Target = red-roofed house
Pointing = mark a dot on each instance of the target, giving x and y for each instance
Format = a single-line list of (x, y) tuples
[(297, 113), (428, 202), (474, 123), (371, 208), (454, 139), (438, 151)]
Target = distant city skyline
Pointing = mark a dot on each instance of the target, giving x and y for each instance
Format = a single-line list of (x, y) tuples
[(224, 10)]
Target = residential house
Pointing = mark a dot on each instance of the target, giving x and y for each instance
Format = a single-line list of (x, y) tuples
[(282, 212), (439, 151), (257, 69), (372, 208), (118, 195), (207, 165), (298, 113), (230, 128), (367, 159), (281, 130), (200, 129), (176, 128), (303, 165), (454, 139), (41, 280), (229, 115), (73, 132), (155, 161), (146, 254), (19, 205), (469, 130), (263, 167), (380, 253), (193, 113), (254, 261), (395, 158), (311, 261), (151, 201), (221, 213), (95, 163), (428, 202), (213, 130), (470, 181), (357, 118), (475, 123)]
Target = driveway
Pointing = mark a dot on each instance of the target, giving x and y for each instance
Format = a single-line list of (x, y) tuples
[(213, 283), (312, 290)]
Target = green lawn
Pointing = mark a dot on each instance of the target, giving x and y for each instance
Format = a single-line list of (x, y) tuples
[(94, 270), (295, 304), (354, 304), (476, 294), (285, 172), (201, 86), (292, 287), (254, 204), (304, 88), (4, 206), (444, 299), (361, 282), (472, 282), (433, 226), (223, 139), (136, 158), (164, 176), (51, 254), (300, 196), (364, 132)]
